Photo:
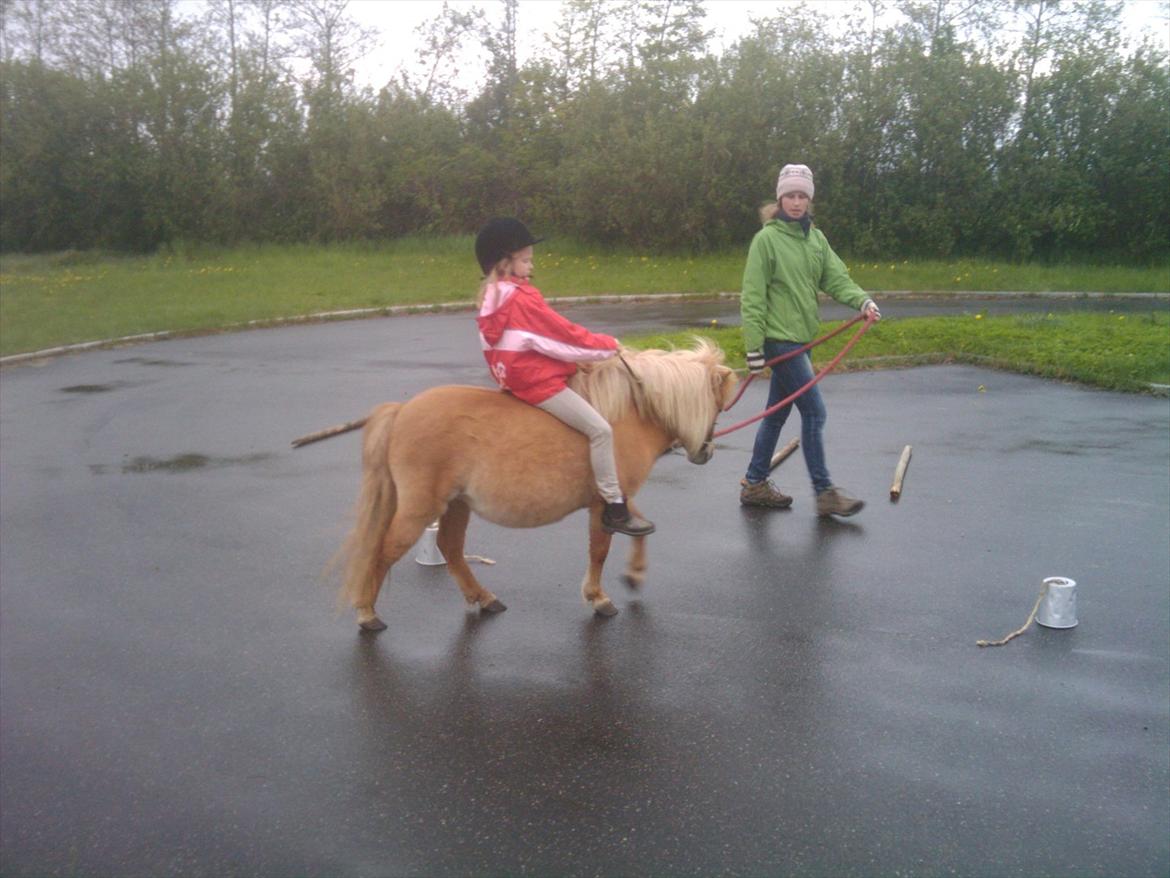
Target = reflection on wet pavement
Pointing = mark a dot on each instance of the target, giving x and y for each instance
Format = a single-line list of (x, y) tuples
[(182, 463)]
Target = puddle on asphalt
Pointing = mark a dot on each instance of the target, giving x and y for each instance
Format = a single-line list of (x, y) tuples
[(94, 388), (1071, 448), (403, 365), (181, 463), (147, 361)]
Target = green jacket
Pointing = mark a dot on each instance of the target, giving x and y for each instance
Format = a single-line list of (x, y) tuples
[(783, 273)]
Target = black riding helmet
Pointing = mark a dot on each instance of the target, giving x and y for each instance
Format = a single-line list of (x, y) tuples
[(501, 236)]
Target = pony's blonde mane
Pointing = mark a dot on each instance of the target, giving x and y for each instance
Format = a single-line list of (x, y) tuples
[(678, 389)]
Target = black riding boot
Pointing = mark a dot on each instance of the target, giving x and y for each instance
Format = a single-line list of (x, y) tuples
[(617, 518)]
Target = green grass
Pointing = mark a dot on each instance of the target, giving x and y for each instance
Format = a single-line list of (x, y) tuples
[(981, 276), (49, 301), (1114, 351), (66, 298)]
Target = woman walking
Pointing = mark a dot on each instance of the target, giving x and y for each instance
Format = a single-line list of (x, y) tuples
[(788, 263)]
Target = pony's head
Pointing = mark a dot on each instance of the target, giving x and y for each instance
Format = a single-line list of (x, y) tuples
[(683, 391)]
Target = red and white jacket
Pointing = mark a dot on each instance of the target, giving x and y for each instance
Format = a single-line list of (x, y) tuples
[(530, 348)]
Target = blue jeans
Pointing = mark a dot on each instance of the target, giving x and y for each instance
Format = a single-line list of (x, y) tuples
[(787, 378)]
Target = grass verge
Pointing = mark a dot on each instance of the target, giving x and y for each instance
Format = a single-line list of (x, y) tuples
[(66, 298), (1111, 351)]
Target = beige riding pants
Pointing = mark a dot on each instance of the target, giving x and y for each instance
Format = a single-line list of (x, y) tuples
[(571, 407)]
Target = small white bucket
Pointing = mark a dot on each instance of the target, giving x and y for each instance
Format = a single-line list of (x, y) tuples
[(428, 547), (1058, 609)]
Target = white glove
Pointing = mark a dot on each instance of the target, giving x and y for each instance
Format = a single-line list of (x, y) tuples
[(755, 361), (869, 306)]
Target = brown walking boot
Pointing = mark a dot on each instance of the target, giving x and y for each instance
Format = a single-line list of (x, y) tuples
[(834, 501), (619, 518), (762, 494)]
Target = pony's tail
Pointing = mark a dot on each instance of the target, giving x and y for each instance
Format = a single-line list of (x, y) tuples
[(362, 552)]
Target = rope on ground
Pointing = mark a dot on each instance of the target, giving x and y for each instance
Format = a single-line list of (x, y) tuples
[(1020, 630)]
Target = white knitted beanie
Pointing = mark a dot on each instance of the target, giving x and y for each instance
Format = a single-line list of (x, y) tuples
[(794, 178)]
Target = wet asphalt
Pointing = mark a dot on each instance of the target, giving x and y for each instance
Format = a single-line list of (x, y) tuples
[(784, 696)]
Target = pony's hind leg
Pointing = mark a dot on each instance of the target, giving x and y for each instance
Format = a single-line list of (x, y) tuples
[(450, 540), (599, 541), (404, 531), (367, 619)]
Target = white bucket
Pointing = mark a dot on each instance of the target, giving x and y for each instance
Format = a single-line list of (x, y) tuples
[(1058, 609), (428, 547)]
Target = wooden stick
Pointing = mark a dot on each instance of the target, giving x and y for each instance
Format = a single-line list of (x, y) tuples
[(328, 432), (900, 474), (780, 456)]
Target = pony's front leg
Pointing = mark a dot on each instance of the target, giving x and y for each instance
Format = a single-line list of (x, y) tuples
[(591, 590), (450, 540), (635, 573)]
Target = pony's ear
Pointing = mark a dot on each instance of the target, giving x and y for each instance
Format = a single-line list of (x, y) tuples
[(723, 383)]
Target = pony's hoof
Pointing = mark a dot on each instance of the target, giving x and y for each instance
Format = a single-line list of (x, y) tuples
[(494, 606), (372, 625), (606, 608), (634, 580)]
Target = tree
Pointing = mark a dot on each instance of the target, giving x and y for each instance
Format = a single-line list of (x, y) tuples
[(332, 40), (492, 108), (340, 141), (137, 124), (443, 40), (1072, 75), (29, 28), (952, 113), (577, 44)]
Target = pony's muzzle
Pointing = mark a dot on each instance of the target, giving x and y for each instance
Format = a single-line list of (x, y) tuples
[(705, 453)]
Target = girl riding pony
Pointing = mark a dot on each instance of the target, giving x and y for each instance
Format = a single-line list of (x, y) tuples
[(532, 351)]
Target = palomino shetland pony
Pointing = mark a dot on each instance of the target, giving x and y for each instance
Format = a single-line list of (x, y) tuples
[(453, 450)]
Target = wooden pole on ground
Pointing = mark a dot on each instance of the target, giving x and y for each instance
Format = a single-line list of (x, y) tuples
[(780, 456), (900, 474)]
